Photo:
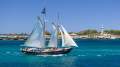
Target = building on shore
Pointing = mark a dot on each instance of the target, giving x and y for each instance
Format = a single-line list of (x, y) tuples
[(104, 35), (13, 36)]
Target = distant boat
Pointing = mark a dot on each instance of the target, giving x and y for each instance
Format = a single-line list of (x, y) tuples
[(35, 44)]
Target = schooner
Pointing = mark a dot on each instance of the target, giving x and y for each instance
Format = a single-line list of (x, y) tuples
[(36, 42)]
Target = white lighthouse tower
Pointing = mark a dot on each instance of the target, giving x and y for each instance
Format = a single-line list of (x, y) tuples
[(102, 30)]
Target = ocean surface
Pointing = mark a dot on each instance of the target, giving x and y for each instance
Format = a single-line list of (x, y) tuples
[(90, 53)]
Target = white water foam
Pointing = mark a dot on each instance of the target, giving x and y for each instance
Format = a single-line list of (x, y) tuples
[(81, 55), (8, 52), (99, 55), (51, 55)]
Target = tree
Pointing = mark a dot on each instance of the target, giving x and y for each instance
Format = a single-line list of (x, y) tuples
[(114, 32), (87, 32)]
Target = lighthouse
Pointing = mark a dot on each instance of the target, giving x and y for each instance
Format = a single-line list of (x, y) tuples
[(102, 30)]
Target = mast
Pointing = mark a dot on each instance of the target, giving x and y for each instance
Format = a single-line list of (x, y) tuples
[(58, 27), (36, 38), (62, 37), (54, 36), (43, 13), (53, 40)]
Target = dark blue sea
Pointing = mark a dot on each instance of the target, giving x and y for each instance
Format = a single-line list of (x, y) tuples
[(90, 53)]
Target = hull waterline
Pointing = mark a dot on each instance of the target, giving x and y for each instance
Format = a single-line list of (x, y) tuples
[(47, 51)]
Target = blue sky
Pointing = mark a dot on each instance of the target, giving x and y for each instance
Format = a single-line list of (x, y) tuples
[(75, 15)]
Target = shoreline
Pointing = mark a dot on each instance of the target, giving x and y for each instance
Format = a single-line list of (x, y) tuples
[(74, 36), (60, 38)]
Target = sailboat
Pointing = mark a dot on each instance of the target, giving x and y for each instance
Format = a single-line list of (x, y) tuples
[(35, 44)]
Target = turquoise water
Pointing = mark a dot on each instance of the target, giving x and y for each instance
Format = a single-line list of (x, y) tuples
[(91, 53)]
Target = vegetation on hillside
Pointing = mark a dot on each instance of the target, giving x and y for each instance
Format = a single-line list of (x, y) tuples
[(91, 32), (114, 32), (87, 32), (94, 32)]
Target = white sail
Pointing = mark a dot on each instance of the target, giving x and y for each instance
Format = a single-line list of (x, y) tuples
[(62, 36), (53, 39), (68, 41), (36, 38)]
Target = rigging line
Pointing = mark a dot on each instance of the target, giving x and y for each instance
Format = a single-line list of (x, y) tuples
[(40, 20)]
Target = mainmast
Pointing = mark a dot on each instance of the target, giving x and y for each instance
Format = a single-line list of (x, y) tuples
[(57, 26), (43, 12), (43, 15)]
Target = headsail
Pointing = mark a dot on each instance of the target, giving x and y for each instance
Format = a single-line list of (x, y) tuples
[(36, 38), (68, 41), (53, 39)]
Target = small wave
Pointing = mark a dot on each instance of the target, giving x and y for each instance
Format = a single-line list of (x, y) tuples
[(11, 53), (8, 52), (99, 55), (85, 55), (81, 55), (58, 55), (17, 54)]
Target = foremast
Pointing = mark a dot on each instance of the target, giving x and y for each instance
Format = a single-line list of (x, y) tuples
[(37, 37)]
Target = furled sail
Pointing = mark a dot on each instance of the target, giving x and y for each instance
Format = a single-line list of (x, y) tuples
[(53, 39), (36, 38), (68, 41)]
